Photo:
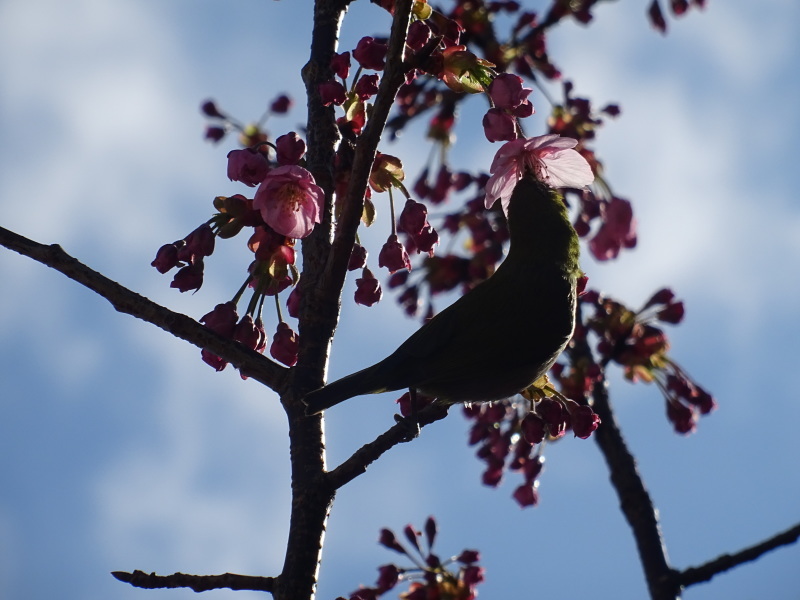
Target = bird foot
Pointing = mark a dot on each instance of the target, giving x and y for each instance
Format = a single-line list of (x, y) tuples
[(410, 424)]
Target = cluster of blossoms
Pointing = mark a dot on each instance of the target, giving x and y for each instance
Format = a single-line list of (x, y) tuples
[(441, 70), (511, 435), (286, 205), (632, 340), (431, 577), (677, 7)]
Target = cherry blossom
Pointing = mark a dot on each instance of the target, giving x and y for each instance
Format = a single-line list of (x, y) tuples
[(290, 201), (551, 158)]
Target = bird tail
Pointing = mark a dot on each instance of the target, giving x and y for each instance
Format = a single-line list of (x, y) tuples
[(343, 389)]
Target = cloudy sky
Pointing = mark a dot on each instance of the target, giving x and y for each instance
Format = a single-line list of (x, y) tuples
[(120, 449)]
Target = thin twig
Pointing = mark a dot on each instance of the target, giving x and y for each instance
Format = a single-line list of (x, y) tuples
[(708, 570), (198, 583), (369, 453), (126, 301)]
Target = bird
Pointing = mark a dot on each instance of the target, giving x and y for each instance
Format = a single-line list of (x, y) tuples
[(503, 334)]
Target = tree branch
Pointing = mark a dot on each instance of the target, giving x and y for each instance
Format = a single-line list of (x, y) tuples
[(369, 453), (635, 501), (725, 562), (249, 362), (198, 583), (392, 79)]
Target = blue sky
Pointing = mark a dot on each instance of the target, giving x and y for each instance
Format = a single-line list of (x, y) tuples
[(120, 449)]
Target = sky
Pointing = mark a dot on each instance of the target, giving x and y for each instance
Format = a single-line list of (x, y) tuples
[(121, 450)]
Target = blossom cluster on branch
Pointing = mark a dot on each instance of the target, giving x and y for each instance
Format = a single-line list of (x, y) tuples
[(442, 68)]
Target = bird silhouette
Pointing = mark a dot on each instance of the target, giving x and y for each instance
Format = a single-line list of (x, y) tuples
[(501, 336)]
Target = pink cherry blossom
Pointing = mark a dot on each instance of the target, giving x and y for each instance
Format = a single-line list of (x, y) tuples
[(550, 158), (290, 201)]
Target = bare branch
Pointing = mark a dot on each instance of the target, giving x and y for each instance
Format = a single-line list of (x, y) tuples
[(249, 362), (635, 501), (725, 562), (198, 583), (369, 453)]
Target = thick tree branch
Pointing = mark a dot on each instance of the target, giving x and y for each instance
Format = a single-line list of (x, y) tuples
[(366, 147), (198, 583), (369, 453), (725, 562), (126, 301), (635, 501)]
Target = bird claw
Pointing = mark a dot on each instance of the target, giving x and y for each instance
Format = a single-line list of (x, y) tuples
[(410, 424)]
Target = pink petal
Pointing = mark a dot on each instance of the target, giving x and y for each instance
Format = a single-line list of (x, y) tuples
[(567, 168)]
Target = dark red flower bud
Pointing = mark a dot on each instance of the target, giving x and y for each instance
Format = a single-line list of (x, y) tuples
[(166, 258), (388, 540), (367, 86), (430, 530), (284, 345), (426, 239), (332, 92), (584, 421), (526, 495), (189, 277), (682, 417), (214, 133), (393, 255), (281, 104), (412, 535), (368, 289), (397, 279), (247, 333), (703, 400), (554, 414), (413, 217), (290, 149), (209, 109), (657, 17), (418, 35), (672, 313), (444, 181), (473, 575), (679, 7), (499, 126), (213, 360), (248, 166), (388, 576), (370, 53), (293, 302), (662, 296), (493, 475), (533, 468), (198, 244), (506, 91), (533, 428), (468, 557), (358, 258), (340, 64), (222, 319)]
